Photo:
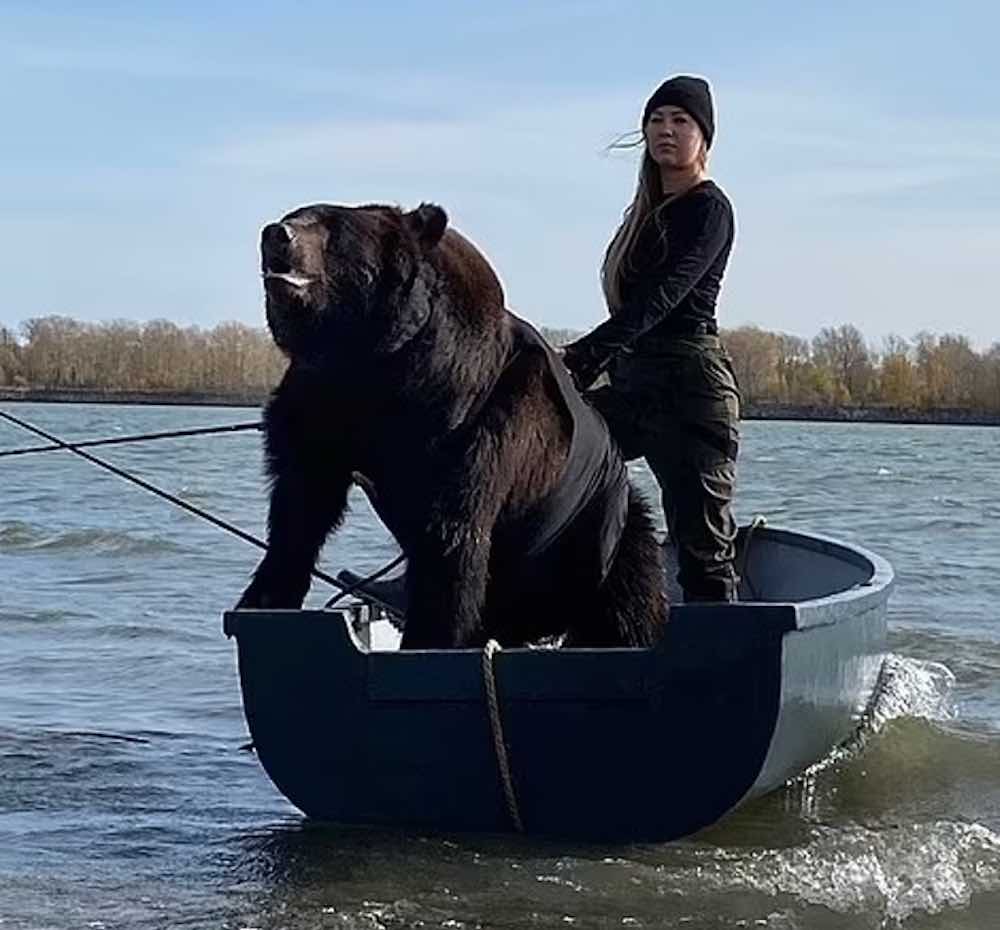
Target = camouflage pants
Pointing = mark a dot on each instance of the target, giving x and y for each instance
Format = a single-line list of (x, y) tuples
[(679, 409)]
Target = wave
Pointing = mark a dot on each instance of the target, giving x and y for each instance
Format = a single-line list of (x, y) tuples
[(921, 525), (901, 821), (866, 877), (41, 617), (906, 688), (911, 687), (896, 873), (17, 536)]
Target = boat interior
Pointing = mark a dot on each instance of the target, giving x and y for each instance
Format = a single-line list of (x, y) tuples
[(774, 565)]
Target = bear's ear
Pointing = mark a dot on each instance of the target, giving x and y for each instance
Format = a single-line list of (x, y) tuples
[(428, 223)]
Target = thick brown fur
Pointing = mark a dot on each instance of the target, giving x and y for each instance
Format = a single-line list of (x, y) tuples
[(401, 369)]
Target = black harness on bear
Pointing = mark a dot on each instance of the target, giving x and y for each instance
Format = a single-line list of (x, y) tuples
[(591, 495), (593, 487)]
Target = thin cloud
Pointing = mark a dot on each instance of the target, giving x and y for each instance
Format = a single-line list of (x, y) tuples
[(842, 197)]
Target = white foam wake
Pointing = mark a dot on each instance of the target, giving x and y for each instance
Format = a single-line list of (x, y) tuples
[(906, 687), (922, 867)]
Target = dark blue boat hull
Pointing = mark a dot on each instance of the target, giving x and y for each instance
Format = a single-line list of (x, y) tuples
[(646, 744)]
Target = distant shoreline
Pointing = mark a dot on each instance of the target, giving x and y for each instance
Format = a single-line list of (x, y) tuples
[(145, 398), (811, 413)]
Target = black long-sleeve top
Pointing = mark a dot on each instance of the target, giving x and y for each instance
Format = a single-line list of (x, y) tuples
[(671, 283)]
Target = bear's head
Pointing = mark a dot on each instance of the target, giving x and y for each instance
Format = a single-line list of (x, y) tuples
[(345, 283)]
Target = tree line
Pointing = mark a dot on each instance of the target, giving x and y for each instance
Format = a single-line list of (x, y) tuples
[(56, 352), (837, 368)]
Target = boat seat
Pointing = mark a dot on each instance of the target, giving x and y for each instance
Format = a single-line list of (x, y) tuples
[(387, 594)]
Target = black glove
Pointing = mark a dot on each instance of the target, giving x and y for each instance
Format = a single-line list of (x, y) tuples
[(585, 360)]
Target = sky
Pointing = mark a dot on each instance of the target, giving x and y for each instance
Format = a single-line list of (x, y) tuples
[(145, 144)]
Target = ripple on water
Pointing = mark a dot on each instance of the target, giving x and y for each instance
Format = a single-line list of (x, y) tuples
[(21, 537), (48, 617)]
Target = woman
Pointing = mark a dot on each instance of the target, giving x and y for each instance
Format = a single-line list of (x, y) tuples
[(672, 396)]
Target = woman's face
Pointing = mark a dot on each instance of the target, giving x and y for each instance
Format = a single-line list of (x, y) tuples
[(673, 139)]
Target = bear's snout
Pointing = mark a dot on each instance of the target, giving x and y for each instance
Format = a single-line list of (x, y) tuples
[(275, 240)]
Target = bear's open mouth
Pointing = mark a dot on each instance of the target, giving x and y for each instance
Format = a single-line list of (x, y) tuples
[(296, 280)]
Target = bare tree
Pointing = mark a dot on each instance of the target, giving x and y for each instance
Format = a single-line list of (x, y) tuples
[(842, 351), (793, 354), (988, 383), (754, 352), (10, 358), (961, 364), (897, 374), (558, 337)]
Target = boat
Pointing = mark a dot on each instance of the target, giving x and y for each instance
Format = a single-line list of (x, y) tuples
[(594, 744)]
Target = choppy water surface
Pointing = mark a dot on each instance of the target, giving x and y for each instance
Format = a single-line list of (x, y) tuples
[(125, 800)]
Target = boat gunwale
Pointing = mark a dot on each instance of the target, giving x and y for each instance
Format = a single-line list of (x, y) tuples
[(830, 608), (805, 614)]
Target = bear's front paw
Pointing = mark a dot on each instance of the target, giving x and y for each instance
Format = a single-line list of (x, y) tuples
[(251, 599), (269, 591), (256, 597), (267, 600)]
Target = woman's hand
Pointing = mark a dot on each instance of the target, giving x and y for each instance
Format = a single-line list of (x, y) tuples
[(584, 361)]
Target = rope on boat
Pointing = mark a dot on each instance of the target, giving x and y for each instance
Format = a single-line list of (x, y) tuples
[(496, 725), (142, 437), (152, 488)]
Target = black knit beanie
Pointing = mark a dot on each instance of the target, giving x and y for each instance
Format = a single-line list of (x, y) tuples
[(689, 93)]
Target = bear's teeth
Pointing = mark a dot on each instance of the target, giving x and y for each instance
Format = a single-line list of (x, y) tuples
[(296, 280)]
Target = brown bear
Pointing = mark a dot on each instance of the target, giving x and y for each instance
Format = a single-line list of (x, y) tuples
[(499, 483)]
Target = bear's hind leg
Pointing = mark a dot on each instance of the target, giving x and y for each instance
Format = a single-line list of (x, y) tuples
[(630, 607)]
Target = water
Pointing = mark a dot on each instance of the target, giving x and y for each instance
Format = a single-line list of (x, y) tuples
[(126, 801)]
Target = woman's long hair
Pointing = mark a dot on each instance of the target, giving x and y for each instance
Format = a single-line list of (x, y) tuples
[(618, 256), (648, 196)]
